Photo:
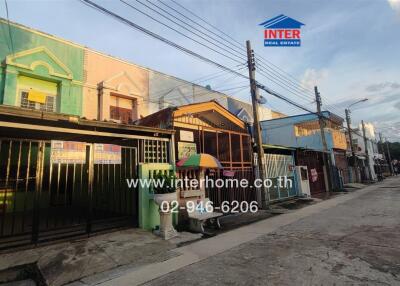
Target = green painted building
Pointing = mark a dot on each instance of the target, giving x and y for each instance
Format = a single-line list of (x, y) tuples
[(39, 71)]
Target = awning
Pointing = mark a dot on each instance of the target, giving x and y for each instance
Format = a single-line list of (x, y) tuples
[(269, 146)]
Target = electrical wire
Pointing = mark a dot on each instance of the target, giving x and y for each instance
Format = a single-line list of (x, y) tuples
[(270, 77), (240, 46), (291, 80), (195, 82), (192, 53), (294, 89), (9, 28), (156, 36), (241, 53), (179, 32)]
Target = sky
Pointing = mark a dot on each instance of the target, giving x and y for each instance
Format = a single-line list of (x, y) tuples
[(350, 48)]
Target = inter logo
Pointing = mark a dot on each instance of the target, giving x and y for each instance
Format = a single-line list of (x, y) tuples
[(282, 31)]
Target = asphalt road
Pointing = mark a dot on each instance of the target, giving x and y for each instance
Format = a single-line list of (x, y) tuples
[(354, 243)]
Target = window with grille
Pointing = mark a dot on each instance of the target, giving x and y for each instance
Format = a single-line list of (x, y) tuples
[(155, 151), (49, 105), (123, 115), (122, 109)]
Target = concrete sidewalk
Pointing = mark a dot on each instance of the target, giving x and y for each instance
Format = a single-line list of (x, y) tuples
[(93, 257), (211, 247)]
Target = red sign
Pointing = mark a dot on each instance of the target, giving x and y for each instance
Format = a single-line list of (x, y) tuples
[(228, 173), (282, 34), (314, 175)]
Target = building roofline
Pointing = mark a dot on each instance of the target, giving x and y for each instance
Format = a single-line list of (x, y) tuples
[(57, 38), (60, 39), (304, 114)]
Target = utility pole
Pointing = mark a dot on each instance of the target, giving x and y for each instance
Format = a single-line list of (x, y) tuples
[(326, 156), (366, 150), (382, 150), (381, 145), (353, 153), (389, 157), (256, 123)]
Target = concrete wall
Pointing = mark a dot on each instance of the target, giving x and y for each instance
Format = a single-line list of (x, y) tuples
[(106, 75), (149, 216), (372, 151), (282, 132), (165, 91), (38, 55)]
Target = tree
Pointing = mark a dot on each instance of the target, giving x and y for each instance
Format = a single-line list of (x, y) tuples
[(394, 148)]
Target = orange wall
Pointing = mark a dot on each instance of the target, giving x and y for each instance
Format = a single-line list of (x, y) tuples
[(104, 75)]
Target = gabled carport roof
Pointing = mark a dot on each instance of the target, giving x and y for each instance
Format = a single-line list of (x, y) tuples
[(207, 108), (210, 111)]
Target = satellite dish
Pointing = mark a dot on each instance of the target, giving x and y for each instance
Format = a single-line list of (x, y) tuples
[(262, 100)]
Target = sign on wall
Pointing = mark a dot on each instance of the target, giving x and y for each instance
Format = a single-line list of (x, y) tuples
[(186, 149), (185, 135), (314, 175), (67, 152), (107, 154), (70, 152), (37, 96)]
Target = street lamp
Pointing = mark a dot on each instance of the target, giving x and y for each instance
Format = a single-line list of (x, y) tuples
[(348, 121), (359, 101)]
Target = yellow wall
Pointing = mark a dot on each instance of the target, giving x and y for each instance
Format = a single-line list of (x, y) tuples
[(104, 76), (339, 140), (28, 83)]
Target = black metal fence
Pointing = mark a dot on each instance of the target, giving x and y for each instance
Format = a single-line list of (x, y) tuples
[(231, 191), (42, 200)]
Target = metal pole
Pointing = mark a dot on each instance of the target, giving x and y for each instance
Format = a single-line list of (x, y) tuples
[(389, 157), (353, 153), (382, 150), (326, 156), (366, 150), (381, 145), (256, 123)]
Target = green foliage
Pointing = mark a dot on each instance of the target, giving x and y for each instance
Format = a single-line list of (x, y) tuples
[(164, 183), (394, 148)]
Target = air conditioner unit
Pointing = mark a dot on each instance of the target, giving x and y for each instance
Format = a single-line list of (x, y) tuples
[(302, 181)]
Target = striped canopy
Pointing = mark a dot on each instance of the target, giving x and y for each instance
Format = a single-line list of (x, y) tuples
[(200, 161)]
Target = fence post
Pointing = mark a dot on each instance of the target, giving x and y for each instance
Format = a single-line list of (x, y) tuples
[(38, 188)]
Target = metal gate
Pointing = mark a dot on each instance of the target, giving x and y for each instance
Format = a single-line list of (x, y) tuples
[(342, 165), (278, 165), (41, 200), (314, 162), (232, 192)]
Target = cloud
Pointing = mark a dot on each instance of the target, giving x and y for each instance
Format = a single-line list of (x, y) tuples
[(395, 5), (397, 105), (382, 86), (313, 77)]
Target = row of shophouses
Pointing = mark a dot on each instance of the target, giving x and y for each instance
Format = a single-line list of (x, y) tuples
[(75, 123)]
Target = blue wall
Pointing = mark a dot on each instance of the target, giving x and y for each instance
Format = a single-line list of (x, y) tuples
[(282, 132)]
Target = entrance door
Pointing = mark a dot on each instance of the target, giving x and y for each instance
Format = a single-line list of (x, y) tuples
[(114, 204), (314, 162), (279, 167), (63, 196)]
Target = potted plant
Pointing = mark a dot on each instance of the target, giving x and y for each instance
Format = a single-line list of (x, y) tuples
[(164, 193), (164, 188)]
